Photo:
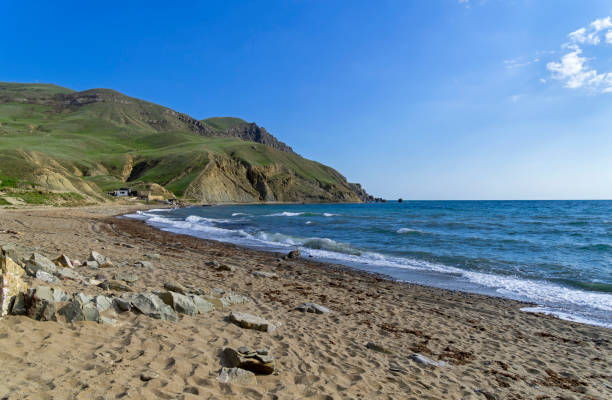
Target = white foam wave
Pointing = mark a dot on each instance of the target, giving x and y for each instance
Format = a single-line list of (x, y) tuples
[(330, 215), (565, 315), (237, 214), (309, 222), (407, 230), (285, 214)]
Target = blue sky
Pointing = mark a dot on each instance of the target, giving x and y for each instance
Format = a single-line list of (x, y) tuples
[(432, 99)]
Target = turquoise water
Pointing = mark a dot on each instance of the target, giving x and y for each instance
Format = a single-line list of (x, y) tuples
[(556, 254)]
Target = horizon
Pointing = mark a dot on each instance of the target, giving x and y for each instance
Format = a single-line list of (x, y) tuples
[(448, 100)]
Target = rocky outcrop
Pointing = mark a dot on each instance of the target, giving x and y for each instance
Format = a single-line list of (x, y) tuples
[(11, 282)]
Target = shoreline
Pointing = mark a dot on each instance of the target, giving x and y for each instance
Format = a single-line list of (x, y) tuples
[(493, 348)]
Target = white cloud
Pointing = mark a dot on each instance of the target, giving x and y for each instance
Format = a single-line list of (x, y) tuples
[(573, 68), (465, 3)]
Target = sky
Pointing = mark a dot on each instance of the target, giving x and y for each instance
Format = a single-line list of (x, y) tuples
[(430, 99)]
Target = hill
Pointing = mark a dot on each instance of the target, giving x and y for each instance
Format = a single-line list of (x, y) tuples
[(97, 140)]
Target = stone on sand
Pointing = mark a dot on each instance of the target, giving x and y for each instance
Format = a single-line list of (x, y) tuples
[(41, 304), (64, 261), (237, 376), (115, 285), (121, 305), (45, 276), (97, 257), (249, 321), (421, 359), (126, 277), (39, 262), (175, 287), (233, 298), (248, 359), (264, 274), (152, 306), (179, 303), (313, 308), (203, 306)]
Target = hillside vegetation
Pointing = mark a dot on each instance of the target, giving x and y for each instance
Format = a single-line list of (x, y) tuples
[(89, 142)]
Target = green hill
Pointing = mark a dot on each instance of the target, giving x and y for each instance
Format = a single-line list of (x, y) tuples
[(89, 142)]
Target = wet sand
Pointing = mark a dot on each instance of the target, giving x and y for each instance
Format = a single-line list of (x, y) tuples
[(494, 350)]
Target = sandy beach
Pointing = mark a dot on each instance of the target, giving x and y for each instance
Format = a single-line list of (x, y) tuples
[(492, 350)]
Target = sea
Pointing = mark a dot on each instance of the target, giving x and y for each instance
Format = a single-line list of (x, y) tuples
[(556, 255)]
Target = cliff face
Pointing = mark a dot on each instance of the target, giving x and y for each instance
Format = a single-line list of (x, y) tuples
[(97, 140)]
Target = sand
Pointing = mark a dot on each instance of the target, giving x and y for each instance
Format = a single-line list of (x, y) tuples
[(494, 350)]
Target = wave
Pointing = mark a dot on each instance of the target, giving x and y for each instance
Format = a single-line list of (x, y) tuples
[(407, 230), (237, 214), (285, 214)]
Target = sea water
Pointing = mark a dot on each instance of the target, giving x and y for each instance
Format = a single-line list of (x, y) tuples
[(555, 254)]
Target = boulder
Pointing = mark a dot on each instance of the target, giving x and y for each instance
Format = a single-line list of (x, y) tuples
[(76, 311), (19, 305), (248, 359), (421, 359), (37, 263), (41, 304), (179, 303), (97, 257), (294, 254), (91, 313), (248, 321), (45, 276), (59, 295), (64, 261), (175, 287), (83, 298), (264, 274), (103, 303), (312, 308), (203, 306), (68, 273), (9, 250), (126, 277), (237, 376), (152, 306), (121, 305), (233, 298)]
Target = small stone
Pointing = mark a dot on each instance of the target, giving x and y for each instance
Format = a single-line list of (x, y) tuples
[(97, 257), (91, 312), (213, 264), (421, 359), (68, 273), (250, 362), (263, 352), (149, 375), (64, 261), (225, 267), (115, 285), (264, 274), (153, 256), (126, 277), (152, 306), (107, 264), (144, 264), (73, 312), (245, 350), (92, 264), (18, 306), (237, 376), (248, 321), (83, 298), (234, 298), (175, 287), (45, 276), (313, 308), (59, 295)]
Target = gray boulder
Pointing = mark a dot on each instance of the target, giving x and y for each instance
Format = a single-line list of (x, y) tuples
[(41, 304), (45, 276), (179, 303), (121, 305), (152, 306), (248, 359), (248, 321), (92, 264), (203, 306), (68, 273), (39, 263), (237, 376), (76, 311), (313, 308), (103, 303), (19, 305), (233, 298)]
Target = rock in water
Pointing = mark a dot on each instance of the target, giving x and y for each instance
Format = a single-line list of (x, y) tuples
[(294, 254), (237, 376), (11, 282), (313, 308), (248, 321), (37, 263), (41, 305), (180, 303)]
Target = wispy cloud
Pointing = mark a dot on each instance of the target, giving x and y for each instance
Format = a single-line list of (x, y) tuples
[(573, 67), (465, 3)]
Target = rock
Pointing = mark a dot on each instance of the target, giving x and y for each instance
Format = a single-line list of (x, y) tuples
[(152, 306), (249, 321), (92, 264), (97, 257), (421, 359), (107, 321), (59, 295), (215, 301), (144, 264), (225, 267), (233, 298), (218, 291), (45, 276), (249, 360), (123, 264), (115, 285), (237, 376), (213, 264), (148, 375), (126, 277), (41, 305), (179, 303), (91, 312), (153, 256), (264, 274), (93, 282), (18, 306), (377, 347), (38, 262), (103, 303), (294, 254), (83, 298), (175, 287), (64, 261), (73, 312), (9, 250), (313, 308), (121, 305), (76, 263), (129, 246), (203, 306), (68, 273)]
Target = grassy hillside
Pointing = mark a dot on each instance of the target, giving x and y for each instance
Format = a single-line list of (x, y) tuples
[(93, 141)]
